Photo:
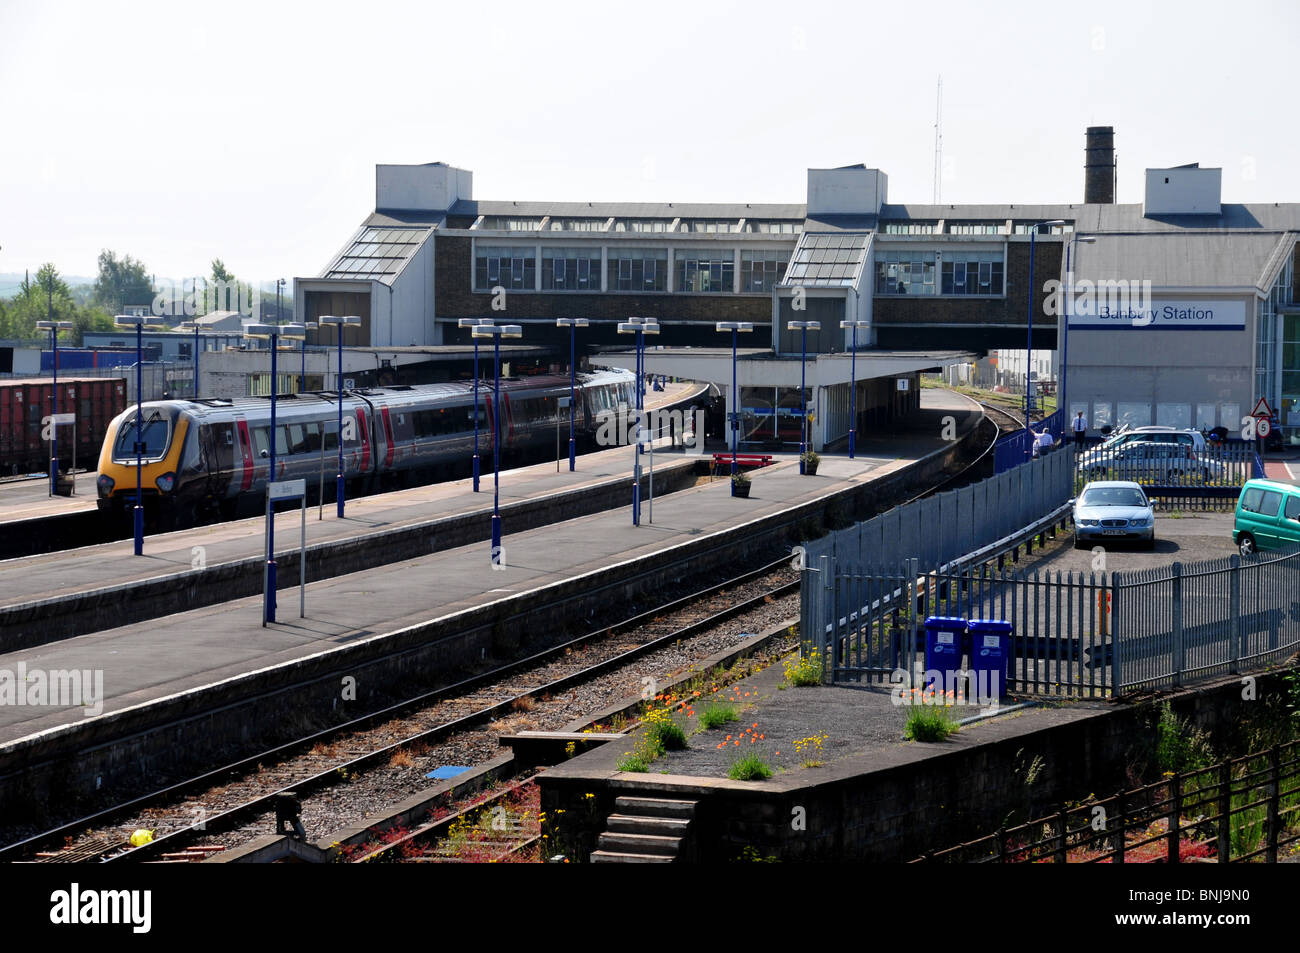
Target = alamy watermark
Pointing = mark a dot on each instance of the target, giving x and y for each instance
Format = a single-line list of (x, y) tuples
[(621, 427), (54, 688), (172, 300)]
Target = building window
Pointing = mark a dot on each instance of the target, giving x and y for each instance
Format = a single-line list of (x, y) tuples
[(710, 227), (706, 271), (905, 272), (910, 228), (578, 224), (506, 224), (571, 269), (774, 227), (1024, 228), (972, 273), (976, 228), (508, 267), (638, 269), (761, 270), (643, 225)]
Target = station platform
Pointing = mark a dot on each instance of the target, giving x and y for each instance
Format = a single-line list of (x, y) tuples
[(30, 498), (146, 662)]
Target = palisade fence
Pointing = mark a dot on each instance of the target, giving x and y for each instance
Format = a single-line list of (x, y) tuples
[(865, 595), (1017, 448)]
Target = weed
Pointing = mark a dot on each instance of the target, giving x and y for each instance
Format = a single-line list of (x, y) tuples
[(1179, 747), (523, 703), (717, 714), (401, 759), (812, 746), (804, 670), (749, 767), (928, 723)]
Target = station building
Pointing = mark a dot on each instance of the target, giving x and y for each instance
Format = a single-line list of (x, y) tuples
[(1207, 329)]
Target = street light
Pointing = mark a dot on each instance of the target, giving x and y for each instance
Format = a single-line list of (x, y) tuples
[(273, 332), (196, 358), (572, 324), (734, 327), (1029, 340), (475, 323), (853, 383), (138, 321), (803, 327), (640, 327), (496, 332), (54, 327), (302, 380), (1069, 310), (339, 323)]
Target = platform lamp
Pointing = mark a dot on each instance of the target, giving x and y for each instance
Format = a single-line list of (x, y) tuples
[(735, 327), (1069, 310), (138, 321), (475, 323), (803, 327), (302, 379), (496, 332), (640, 327), (339, 323), (54, 327), (1029, 340), (572, 324), (196, 358), (853, 383), (273, 333)]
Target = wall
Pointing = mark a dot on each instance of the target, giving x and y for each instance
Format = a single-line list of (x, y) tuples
[(1182, 191), (432, 187)]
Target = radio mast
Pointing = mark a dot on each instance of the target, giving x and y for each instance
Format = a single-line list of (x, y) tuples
[(938, 142)]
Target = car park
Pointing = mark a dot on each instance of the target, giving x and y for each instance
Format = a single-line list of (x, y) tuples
[(1113, 510), (1151, 461)]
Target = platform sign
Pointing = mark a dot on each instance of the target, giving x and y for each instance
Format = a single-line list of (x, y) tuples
[(349, 383), (57, 419), (285, 490)]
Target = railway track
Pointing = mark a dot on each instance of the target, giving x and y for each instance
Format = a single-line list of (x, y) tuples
[(340, 753)]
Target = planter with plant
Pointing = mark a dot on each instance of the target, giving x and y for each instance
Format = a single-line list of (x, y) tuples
[(809, 461), (740, 483)]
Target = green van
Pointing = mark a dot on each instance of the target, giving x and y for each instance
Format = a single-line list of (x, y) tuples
[(1268, 516)]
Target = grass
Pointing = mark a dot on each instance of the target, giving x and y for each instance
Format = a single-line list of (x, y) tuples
[(717, 714), (750, 767), (668, 735), (928, 723)]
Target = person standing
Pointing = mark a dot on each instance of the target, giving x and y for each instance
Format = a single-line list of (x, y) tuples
[(1080, 427)]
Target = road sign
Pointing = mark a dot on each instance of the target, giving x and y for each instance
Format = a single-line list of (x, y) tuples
[(1263, 427), (1262, 409)]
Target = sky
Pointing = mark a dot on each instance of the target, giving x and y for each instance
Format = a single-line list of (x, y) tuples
[(182, 132)]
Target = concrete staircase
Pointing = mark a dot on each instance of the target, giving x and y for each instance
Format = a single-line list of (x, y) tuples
[(645, 830)]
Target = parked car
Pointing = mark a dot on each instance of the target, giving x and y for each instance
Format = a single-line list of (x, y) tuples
[(1152, 461), (1113, 510), (1193, 439), (1268, 516)]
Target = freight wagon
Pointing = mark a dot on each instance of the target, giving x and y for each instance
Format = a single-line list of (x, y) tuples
[(25, 403)]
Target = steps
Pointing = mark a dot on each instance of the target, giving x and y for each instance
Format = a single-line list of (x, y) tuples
[(645, 830)]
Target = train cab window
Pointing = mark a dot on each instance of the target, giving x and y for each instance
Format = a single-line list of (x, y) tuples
[(154, 433)]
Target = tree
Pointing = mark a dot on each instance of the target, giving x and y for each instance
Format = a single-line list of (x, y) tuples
[(220, 272), (121, 282)]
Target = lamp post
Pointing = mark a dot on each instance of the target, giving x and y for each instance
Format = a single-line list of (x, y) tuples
[(475, 323), (572, 324), (54, 327), (302, 379), (196, 358), (1069, 310), (273, 332), (1029, 340), (853, 383), (803, 327), (496, 332), (640, 327), (338, 323), (735, 327), (138, 321)]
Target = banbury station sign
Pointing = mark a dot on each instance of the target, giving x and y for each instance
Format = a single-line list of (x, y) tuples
[(1161, 314)]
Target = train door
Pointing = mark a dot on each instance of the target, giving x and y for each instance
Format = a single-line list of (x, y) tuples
[(220, 447)]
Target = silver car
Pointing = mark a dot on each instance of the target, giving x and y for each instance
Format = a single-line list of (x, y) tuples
[(1113, 510), (1152, 462)]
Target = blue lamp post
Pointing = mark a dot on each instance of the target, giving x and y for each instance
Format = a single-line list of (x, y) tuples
[(1029, 340), (853, 383), (735, 327), (338, 323), (196, 359), (496, 332), (302, 380), (572, 324), (54, 327), (640, 327), (273, 332), (475, 323), (1069, 310), (803, 327), (138, 321)]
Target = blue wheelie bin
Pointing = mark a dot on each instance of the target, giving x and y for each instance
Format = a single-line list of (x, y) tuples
[(991, 655), (945, 641)]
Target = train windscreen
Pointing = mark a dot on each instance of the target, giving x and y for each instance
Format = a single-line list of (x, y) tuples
[(155, 432)]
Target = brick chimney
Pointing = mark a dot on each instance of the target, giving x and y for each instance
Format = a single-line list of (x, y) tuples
[(1099, 166)]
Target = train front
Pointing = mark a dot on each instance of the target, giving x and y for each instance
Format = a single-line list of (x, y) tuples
[(163, 430)]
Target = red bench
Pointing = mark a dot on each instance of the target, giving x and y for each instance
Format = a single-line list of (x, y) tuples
[(721, 460)]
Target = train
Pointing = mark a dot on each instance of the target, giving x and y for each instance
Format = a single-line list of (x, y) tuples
[(25, 403), (211, 457)]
